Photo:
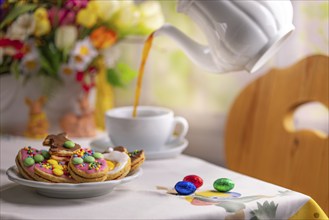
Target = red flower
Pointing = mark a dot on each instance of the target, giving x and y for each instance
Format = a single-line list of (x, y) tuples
[(87, 78), (60, 16), (17, 45)]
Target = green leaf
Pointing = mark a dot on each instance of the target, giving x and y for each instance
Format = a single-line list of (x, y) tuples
[(126, 72), (14, 69), (121, 75), (17, 11), (50, 59), (46, 65), (113, 77)]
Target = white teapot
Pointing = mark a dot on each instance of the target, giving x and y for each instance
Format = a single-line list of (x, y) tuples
[(242, 35)]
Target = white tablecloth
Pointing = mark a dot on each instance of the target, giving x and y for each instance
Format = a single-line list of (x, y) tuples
[(141, 199)]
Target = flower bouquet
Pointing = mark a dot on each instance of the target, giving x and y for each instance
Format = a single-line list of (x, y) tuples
[(62, 40)]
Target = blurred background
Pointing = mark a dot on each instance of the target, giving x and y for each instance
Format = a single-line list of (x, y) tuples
[(203, 98)]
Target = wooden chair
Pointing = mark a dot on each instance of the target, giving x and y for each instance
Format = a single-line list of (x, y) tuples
[(260, 138)]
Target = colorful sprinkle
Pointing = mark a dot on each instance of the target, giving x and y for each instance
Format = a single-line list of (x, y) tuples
[(134, 153)]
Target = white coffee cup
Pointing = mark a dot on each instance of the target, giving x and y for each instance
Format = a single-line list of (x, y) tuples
[(152, 129)]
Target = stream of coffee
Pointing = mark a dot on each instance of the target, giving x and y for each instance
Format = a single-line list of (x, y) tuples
[(146, 50)]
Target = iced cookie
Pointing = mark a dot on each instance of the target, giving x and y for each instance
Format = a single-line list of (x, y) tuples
[(26, 160), (53, 171), (86, 165), (119, 148), (137, 159), (60, 146), (120, 163)]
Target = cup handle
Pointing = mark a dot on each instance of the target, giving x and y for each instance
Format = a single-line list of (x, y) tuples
[(178, 120)]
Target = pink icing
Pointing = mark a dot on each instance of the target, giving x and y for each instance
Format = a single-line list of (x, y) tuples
[(50, 171), (25, 154), (85, 166)]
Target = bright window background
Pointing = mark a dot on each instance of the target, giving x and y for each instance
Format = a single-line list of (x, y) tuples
[(172, 80)]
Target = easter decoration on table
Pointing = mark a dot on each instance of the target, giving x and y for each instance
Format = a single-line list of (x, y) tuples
[(221, 196), (74, 45), (196, 180), (67, 162), (87, 165), (191, 183), (223, 185), (37, 124), (185, 188), (80, 125)]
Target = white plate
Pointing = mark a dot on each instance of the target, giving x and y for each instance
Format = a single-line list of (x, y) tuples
[(168, 151), (70, 190)]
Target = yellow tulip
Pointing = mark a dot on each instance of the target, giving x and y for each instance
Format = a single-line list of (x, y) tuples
[(151, 16), (42, 23), (86, 18), (104, 10), (127, 17)]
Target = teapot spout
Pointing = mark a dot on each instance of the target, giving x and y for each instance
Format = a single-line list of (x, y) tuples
[(199, 54)]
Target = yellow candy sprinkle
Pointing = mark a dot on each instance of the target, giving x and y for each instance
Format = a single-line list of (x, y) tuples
[(110, 164), (58, 172), (58, 167), (52, 162)]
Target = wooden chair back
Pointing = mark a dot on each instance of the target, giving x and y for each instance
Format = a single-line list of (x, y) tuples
[(261, 140)]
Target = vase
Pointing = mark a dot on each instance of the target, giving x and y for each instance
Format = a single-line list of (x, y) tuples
[(62, 100), (14, 113)]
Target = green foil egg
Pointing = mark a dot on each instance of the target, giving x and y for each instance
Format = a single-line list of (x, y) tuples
[(223, 185)]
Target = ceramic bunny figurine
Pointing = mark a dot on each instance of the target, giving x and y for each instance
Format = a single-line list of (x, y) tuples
[(82, 125), (37, 125)]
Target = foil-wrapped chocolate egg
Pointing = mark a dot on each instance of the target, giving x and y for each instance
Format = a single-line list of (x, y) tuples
[(196, 180), (223, 184), (185, 188)]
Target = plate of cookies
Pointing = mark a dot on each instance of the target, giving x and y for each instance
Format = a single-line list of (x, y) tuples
[(67, 170)]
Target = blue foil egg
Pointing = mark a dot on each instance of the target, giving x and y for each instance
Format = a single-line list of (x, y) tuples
[(185, 188)]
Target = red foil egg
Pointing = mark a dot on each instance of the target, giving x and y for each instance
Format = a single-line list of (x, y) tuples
[(196, 180)]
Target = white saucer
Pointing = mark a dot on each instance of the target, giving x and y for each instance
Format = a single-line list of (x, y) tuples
[(69, 190), (171, 150)]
